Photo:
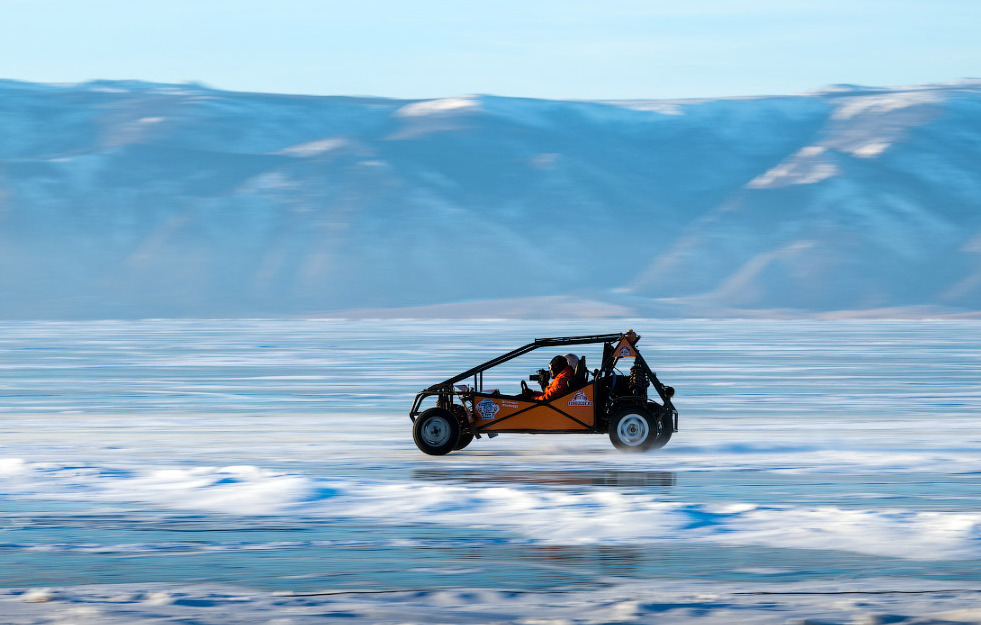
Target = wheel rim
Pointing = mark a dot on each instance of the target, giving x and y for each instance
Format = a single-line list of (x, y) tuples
[(633, 429), (436, 431)]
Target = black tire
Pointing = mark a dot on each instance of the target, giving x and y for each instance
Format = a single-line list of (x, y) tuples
[(667, 429), (466, 433), (634, 428), (466, 437), (436, 431)]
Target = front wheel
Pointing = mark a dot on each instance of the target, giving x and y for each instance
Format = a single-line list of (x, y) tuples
[(466, 437), (436, 432), (634, 428), (466, 429)]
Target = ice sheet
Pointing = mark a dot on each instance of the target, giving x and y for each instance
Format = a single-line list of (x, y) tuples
[(874, 601), (277, 455)]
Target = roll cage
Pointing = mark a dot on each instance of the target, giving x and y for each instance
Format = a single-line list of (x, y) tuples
[(446, 391)]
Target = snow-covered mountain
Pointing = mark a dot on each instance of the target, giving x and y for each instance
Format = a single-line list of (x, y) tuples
[(136, 199)]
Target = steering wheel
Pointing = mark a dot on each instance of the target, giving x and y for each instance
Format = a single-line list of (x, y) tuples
[(525, 391)]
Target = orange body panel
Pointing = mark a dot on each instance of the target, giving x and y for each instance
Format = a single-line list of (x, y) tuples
[(572, 411)]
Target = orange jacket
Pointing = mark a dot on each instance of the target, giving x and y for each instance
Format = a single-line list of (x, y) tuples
[(558, 386)]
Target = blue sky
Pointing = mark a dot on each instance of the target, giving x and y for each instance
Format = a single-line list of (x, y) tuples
[(564, 49)]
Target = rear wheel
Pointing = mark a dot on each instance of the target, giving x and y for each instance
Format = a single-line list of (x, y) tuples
[(634, 428), (436, 432), (667, 428)]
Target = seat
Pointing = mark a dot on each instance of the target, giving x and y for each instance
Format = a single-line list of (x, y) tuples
[(581, 374)]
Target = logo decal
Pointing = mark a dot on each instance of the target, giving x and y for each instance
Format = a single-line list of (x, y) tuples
[(487, 409), (625, 349), (580, 399)]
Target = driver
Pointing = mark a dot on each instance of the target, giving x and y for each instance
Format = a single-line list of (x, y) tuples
[(561, 377)]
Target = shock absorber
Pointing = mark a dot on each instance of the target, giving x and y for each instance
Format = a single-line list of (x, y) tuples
[(638, 381), (444, 401)]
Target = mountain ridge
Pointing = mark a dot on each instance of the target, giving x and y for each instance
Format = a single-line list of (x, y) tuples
[(144, 200)]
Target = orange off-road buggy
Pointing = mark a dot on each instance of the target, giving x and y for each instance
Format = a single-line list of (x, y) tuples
[(604, 401)]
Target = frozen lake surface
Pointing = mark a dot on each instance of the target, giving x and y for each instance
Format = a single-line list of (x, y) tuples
[(248, 471)]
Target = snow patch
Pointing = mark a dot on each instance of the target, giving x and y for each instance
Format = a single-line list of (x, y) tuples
[(39, 595), (870, 150), (546, 517), (884, 103), (664, 108), (269, 181), (438, 107), (808, 166), (314, 148), (908, 601), (12, 466)]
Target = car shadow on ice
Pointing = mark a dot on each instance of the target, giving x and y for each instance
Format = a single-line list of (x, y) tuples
[(605, 478)]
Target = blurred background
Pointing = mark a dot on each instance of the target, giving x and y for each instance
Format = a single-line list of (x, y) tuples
[(642, 179)]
